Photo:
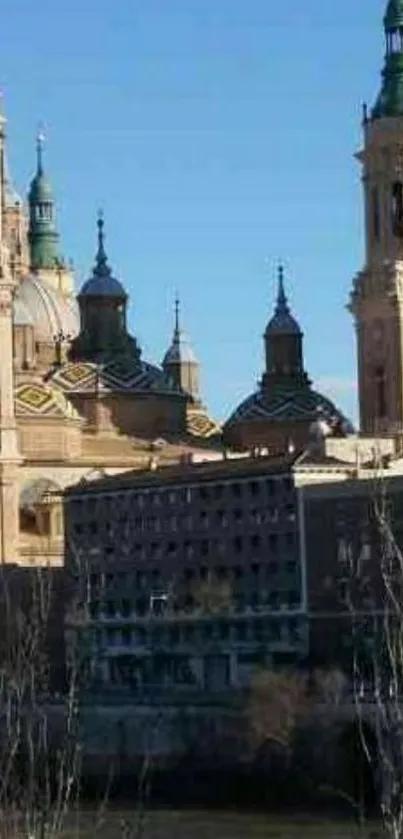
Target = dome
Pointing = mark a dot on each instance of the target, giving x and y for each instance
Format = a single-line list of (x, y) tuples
[(180, 352), (21, 315), (49, 311), (287, 404), (40, 191), (103, 286), (282, 322), (394, 15)]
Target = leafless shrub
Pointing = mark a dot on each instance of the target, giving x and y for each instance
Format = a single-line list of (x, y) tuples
[(377, 634), (276, 705)]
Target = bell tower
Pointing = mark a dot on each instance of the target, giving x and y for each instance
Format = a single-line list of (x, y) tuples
[(9, 450), (376, 300)]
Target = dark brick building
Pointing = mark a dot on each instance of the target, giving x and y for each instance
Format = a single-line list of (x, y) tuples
[(195, 572)]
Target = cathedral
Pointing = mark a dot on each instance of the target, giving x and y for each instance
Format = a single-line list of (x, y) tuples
[(77, 399)]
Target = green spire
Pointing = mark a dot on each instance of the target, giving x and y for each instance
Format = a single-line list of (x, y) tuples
[(43, 236), (390, 99)]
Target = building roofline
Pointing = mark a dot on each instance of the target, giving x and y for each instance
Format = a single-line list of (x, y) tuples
[(189, 471)]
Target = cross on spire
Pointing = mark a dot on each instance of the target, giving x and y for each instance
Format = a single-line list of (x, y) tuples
[(101, 260), (40, 142), (177, 314)]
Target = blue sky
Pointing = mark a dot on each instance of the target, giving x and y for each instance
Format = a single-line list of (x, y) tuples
[(218, 136)]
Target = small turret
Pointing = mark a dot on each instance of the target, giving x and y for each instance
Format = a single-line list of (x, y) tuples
[(103, 302), (42, 235), (390, 99), (180, 362), (283, 340)]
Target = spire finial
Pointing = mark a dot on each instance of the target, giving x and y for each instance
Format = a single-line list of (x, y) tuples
[(101, 262), (40, 142), (177, 313), (282, 304)]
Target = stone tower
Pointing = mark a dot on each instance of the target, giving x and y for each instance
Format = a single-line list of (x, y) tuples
[(377, 296), (9, 450)]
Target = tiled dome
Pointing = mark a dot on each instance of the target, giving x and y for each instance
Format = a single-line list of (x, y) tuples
[(49, 311), (288, 404)]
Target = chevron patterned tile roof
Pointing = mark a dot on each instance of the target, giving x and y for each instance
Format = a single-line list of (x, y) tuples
[(112, 376), (286, 404), (36, 399)]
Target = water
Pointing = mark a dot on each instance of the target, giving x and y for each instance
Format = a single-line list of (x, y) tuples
[(213, 825)]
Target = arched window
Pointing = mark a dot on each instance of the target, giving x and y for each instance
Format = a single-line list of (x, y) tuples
[(376, 228), (397, 209), (380, 392)]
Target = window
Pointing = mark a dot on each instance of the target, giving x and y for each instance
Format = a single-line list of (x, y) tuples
[(375, 213), (274, 599), (254, 488), (290, 512), (94, 610), (236, 490), (110, 609), (204, 519), (397, 209), (126, 608), (293, 598), (204, 547), (255, 541), (127, 636), (203, 493), (343, 591), (273, 541), (238, 515), (380, 392), (238, 544)]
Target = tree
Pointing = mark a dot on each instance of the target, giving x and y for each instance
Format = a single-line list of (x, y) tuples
[(39, 767), (377, 660)]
